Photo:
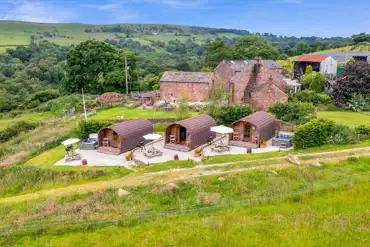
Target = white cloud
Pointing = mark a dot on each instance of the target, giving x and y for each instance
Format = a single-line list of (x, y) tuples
[(36, 12)]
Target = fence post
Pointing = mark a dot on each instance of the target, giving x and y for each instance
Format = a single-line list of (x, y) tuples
[(228, 202), (184, 206), (350, 182)]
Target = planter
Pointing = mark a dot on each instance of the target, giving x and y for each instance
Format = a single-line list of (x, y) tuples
[(263, 145), (197, 154)]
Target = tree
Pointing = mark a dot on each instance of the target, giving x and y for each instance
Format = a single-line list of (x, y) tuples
[(217, 99), (182, 110), (314, 81), (86, 64), (229, 114), (215, 52), (354, 79), (362, 37), (249, 47)]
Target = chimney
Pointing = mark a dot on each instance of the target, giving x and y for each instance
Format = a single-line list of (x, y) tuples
[(258, 60), (270, 82)]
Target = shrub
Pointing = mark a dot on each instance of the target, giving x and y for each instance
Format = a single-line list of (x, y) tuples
[(84, 128), (362, 130), (229, 114), (342, 134), (312, 97), (357, 102), (313, 133), (15, 129), (41, 97), (293, 112)]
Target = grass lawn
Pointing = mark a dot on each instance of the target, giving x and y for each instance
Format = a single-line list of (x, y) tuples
[(113, 113), (346, 117)]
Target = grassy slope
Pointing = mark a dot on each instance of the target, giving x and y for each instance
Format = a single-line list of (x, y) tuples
[(337, 219), (324, 220), (346, 117), (13, 33), (33, 117)]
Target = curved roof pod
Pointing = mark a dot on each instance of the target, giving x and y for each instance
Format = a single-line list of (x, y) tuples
[(264, 123), (198, 129), (130, 133)]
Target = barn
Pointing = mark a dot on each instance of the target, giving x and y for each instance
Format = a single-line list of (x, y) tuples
[(320, 63), (123, 137), (195, 86), (190, 133), (259, 126)]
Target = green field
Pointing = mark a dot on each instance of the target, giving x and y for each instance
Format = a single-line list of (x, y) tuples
[(294, 206), (346, 117), (130, 113)]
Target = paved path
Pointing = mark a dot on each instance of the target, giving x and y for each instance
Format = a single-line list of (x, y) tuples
[(136, 179)]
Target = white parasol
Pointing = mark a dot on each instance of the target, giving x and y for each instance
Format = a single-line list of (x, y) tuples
[(222, 129), (152, 136), (70, 141)]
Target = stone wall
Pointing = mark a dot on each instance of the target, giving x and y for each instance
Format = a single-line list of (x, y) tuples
[(224, 73), (192, 91), (284, 126), (277, 78)]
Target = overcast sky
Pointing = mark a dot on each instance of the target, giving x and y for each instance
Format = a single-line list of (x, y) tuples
[(324, 18)]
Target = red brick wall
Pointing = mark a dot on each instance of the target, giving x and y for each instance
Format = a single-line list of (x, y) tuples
[(224, 72), (266, 97), (277, 78), (240, 81), (192, 91)]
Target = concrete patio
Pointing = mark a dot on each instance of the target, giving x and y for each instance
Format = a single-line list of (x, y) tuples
[(95, 158)]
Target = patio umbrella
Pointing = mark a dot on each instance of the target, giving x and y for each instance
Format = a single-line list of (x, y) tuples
[(70, 141), (223, 130), (152, 137)]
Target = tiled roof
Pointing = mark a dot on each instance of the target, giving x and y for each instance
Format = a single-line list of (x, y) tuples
[(189, 77), (259, 119), (311, 58)]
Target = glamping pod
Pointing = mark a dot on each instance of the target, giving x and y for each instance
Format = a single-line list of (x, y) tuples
[(123, 137), (257, 127), (190, 133)]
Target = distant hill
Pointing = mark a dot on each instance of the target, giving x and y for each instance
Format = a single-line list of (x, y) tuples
[(13, 33)]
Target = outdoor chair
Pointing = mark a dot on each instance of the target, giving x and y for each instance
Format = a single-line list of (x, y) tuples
[(105, 142), (172, 139), (236, 136)]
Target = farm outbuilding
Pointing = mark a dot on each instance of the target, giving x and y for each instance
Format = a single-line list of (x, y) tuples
[(320, 63), (190, 133), (259, 126), (123, 137)]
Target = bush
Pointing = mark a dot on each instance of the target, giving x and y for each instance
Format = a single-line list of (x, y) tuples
[(357, 102), (14, 130), (312, 97), (342, 134), (312, 134), (293, 112), (41, 97), (362, 130), (229, 114), (68, 102), (318, 132), (84, 128)]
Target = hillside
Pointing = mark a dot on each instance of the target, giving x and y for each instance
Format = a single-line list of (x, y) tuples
[(14, 33)]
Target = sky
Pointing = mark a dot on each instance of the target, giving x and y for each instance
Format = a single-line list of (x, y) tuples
[(324, 18)]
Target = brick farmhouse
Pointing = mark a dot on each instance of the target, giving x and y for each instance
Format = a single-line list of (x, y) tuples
[(195, 86), (256, 82)]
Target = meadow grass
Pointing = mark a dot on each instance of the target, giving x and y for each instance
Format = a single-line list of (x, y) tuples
[(32, 117), (115, 112), (346, 117), (328, 214)]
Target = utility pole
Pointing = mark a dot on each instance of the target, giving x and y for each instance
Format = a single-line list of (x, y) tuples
[(83, 100), (126, 69)]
